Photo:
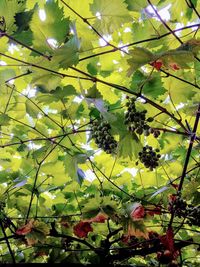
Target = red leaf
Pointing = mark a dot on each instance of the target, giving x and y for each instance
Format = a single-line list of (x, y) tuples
[(168, 239), (125, 239), (82, 229), (172, 198), (27, 228), (153, 211), (100, 218), (174, 66), (175, 186), (137, 213), (157, 64)]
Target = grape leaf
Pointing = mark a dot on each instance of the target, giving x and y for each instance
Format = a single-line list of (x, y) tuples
[(107, 9), (67, 54), (151, 86), (53, 26), (139, 57), (8, 10), (4, 119), (129, 146), (136, 5)]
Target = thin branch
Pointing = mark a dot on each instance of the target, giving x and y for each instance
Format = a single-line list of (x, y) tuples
[(51, 139), (36, 105), (109, 180), (180, 79), (7, 242), (165, 130), (54, 233), (132, 252), (163, 22), (8, 102), (191, 5), (24, 45), (140, 42), (18, 76), (7, 237), (36, 177), (174, 106), (43, 68), (85, 20), (193, 136)]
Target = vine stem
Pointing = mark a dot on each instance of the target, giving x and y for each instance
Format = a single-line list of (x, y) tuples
[(163, 22), (2, 33), (37, 174), (193, 136), (85, 20), (7, 242), (180, 186), (166, 26), (43, 68), (141, 41), (191, 5)]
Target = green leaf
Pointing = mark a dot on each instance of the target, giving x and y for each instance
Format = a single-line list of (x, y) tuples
[(180, 57), (66, 91), (31, 109), (53, 26), (45, 79), (129, 146), (151, 85), (190, 10), (93, 92), (108, 10), (67, 55), (41, 227), (23, 32), (71, 167), (4, 119), (136, 5), (139, 57), (8, 10), (92, 69), (91, 208)]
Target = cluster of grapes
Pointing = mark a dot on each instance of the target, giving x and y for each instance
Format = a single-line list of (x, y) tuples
[(2, 205), (193, 215), (166, 257), (182, 209), (103, 138), (136, 120), (149, 157), (179, 206), (155, 132)]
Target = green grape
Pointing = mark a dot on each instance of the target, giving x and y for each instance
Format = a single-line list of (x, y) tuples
[(150, 119), (102, 136), (136, 120), (149, 157)]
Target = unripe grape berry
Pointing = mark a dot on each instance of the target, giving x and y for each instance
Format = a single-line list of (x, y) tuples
[(149, 157), (102, 136), (150, 119)]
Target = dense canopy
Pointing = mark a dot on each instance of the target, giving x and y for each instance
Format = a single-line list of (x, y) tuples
[(99, 132)]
